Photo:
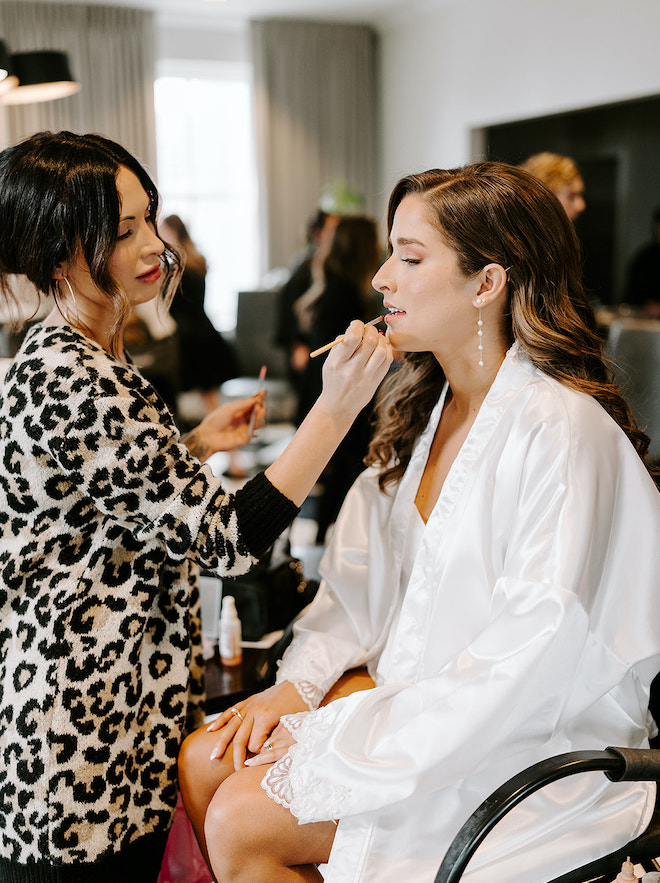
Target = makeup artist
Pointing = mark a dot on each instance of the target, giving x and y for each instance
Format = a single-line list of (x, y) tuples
[(106, 513)]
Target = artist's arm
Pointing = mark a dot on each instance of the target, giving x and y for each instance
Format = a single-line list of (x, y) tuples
[(351, 374)]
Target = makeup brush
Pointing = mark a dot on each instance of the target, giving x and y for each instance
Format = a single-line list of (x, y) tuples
[(329, 346), (262, 386)]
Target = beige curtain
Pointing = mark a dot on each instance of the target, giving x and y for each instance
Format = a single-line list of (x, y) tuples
[(316, 107), (112, 55)]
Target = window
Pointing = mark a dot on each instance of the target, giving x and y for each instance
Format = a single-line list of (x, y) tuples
[(207, 173)]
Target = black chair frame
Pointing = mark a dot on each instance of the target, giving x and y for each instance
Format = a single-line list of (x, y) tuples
[(618, 764)]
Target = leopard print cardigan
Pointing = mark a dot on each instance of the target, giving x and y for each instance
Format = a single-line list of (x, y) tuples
[(104, 517)]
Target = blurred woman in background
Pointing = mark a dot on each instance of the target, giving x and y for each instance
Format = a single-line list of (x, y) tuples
[(207, 360), (322, 313)]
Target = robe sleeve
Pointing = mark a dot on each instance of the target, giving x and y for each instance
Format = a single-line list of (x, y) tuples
[(346, 625), (570, 623)]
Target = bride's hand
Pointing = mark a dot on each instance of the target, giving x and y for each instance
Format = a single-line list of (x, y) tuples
[(275, 746), (247, 724)]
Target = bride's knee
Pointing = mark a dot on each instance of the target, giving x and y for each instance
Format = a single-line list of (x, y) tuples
[(194, 760), (230, 826)]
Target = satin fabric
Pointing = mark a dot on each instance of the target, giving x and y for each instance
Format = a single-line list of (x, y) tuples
[(529, 627)]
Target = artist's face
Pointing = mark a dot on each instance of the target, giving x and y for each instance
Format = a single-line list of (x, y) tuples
[(571, 197), (430, 300), (135, 263)]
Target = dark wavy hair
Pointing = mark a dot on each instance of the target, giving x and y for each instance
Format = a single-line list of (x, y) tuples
[(354, 252), (58, 199), (491, 212)]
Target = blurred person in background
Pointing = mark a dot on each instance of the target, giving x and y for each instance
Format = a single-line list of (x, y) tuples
[(306, 278), (343, 293), (562, 176), (207, 360), (643, 276)]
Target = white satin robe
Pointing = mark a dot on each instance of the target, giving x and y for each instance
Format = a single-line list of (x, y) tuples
[(530, 626)]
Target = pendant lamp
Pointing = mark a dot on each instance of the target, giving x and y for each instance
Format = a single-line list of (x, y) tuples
[(42, 76), (8, 79)]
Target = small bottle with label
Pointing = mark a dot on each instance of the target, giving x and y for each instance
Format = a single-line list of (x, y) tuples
[(229, 640)]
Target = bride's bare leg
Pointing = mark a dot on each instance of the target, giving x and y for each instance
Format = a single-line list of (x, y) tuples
[(252, 839), (353, 681), (200, 777)]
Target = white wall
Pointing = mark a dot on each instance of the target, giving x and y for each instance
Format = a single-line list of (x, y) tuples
[(451, 66), (200, 40)]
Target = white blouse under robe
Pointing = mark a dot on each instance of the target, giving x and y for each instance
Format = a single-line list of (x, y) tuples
[(529, 627)]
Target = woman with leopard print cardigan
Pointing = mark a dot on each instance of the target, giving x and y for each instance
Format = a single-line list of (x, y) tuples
[(106, 513)]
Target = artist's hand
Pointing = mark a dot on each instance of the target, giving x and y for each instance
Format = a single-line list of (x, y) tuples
[(226, 427), (354, 368), (275, 746), (249, 722)]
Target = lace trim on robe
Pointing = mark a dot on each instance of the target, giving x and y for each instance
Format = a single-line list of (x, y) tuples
[(309, 680), (285, 782)]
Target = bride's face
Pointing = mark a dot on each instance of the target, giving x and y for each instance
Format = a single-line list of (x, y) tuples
[(429, 299)]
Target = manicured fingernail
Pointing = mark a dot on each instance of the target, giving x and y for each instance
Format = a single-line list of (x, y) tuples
[(214, 754)]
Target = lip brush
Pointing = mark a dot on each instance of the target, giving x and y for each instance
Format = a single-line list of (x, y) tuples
[(329, 346)]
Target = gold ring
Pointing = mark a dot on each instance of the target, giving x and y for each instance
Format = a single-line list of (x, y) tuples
[(268, 745), (237, 713)]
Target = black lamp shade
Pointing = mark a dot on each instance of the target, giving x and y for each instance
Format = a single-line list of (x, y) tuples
[(4, 61), (8, 80), (42, 76)]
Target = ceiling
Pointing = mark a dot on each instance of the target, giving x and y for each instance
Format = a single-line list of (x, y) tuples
[(224, 12)]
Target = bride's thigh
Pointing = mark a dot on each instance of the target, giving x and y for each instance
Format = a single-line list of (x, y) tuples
[(352, 681)]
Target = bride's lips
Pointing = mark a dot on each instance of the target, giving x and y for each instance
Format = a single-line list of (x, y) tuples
[(151, 276), (390, 317)]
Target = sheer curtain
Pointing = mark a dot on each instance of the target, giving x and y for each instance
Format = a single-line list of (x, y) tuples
[(316, 107), (112, 55)]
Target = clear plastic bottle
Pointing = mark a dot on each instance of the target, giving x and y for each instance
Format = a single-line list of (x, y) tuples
[(229, 640)]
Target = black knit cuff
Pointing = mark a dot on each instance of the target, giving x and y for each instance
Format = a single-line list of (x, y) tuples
[(263, 513)]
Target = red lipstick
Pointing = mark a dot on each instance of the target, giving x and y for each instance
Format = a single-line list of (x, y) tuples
[(151, 276)]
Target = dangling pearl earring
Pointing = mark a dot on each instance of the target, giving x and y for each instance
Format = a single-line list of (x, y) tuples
[(480, 333)]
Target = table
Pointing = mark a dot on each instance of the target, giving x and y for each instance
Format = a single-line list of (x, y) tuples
[(228, 684)]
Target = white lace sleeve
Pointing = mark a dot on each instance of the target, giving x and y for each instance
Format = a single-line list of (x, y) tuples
[(307, 676), (308, 800)]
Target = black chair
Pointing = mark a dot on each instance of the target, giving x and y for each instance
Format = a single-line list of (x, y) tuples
[(252, 342), (618, 764)]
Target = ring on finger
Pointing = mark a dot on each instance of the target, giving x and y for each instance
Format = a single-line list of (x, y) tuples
[(237, 713), (268, 745)]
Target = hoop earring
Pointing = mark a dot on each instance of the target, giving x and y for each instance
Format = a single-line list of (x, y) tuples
[(480, 332), (75, 303)]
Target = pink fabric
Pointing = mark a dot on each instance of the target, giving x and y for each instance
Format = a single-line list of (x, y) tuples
[(183, 861)]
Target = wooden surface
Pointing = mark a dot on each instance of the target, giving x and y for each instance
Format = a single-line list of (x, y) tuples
[(228, 684)]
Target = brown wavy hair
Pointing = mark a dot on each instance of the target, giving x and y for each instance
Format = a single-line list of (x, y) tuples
[(491, 212), (195, 260), (553, 169)]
